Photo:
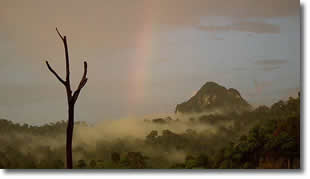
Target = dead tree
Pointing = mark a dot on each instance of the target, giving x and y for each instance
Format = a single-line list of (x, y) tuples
[(71, 97)]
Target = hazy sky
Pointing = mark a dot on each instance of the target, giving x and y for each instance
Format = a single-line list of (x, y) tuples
[(144, 56)]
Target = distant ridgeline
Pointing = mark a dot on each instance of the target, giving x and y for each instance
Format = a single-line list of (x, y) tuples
[(214, 98)]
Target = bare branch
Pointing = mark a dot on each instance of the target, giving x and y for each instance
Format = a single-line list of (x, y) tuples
[(84, 78), (67, 61), (54, 72), (82, 82), (62, 38), (77, 92)]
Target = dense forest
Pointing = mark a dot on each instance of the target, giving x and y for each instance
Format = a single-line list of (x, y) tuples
[(193, 138)]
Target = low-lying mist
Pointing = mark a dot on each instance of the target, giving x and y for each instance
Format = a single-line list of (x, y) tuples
[(98, 141), (166, 141)]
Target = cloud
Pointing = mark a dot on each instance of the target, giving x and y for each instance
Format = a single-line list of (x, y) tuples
[(184, 10), (265, 65), (245, 26), (270, 64), (270, 68), (122, 23)]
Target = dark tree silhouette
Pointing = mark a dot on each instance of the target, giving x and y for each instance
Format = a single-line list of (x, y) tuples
[(71, 98)]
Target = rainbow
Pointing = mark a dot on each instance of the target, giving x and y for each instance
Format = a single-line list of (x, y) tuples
[(141, 63)]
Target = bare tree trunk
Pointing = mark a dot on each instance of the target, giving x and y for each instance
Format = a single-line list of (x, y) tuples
[(70, 135), (71, 99)]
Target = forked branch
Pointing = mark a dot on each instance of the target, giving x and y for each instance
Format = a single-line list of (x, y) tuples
[(73, 98), (66, 82), (82, 83)]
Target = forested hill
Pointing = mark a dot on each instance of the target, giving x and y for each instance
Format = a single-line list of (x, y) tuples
[(214, 97), (264, 137)]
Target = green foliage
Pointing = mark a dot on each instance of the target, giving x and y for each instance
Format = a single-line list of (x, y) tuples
[(262, 138)]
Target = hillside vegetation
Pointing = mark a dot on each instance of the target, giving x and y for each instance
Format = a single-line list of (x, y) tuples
[(207, 132)]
